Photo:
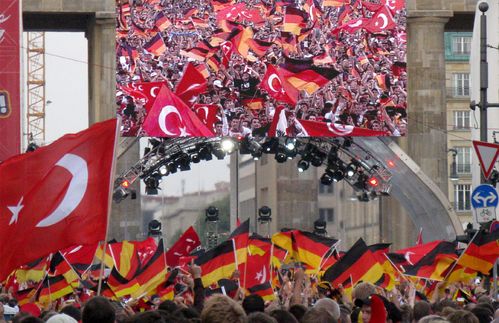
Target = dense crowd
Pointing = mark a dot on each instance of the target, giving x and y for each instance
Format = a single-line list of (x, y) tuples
[(299, 299), (368, 92)]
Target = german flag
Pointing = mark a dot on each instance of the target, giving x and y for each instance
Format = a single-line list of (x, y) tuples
[(53, 288), (121, 286), (196, 53), (311, 248), (201, 23), (285, 240), (214, 63), (300, 65), (240, 236), (33, 271), (359, 263), (126, 257), (482, 252), (108, 257), (156, 45), (259, 47), (278, 256), (153, 273), (25, 296), (380, 251), (435, 262), (242, 41), (253, 103), (217, 263), (309, 81), (167, 293), (203, 70), (294, 20), (459, 274), (264, 290), (162, 22)]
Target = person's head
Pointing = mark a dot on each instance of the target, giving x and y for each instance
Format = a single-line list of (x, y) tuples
[(72, 311), (98, 310), (318, 315), (27, 319), (259, 317), (330, 306), (218, 128), (234, 124), (421, 309), (253, 303), (461, 316), (362, 291), (298, 310), (61, 318), (222, 309), (484, 314), (255, 123), (147, 317), (282, 316), (433, 319)]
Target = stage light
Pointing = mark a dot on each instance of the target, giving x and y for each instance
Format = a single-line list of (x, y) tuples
[(172, 167), (147, 150), (280, 156), (152, 184), (290, 144), (320, 227), (154, 228), (256, 154), (303, 165), (218, 152), (228, 145), (290, 154), (195, 158), (163, 170), (390, 163), (264, 214), (347, 142), (373, 181), (326, 179), (338, 175), (316, 160), (119, 194), (363, 197), (351, 168), (270, 146), (184, 162), (211, 214), (205, 153), (360, 184), (125, 184)]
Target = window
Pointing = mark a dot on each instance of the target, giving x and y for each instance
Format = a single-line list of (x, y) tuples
[(461, 84), (461, 119), (326, 215), (462, 197), (461, 45), (463, 160), (326, 189)]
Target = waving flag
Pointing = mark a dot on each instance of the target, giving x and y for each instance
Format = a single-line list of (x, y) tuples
[(187, 242), (171, 117), (192, 84), (217, 263), (156, 45), (381, 21), (294, 20), (56, 196), (207, 113), (275, 84), (330, 129), (482, 252)]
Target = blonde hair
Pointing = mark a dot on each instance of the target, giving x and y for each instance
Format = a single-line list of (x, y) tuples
[(222, 309)]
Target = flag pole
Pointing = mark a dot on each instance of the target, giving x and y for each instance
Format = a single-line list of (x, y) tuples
[(460, 256), (397, 269), (109, 201), (327, 254)]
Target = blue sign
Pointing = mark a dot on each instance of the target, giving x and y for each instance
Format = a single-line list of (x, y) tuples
[(484, 196)]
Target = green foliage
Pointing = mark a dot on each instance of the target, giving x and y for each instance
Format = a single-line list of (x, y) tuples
[(202, 226)]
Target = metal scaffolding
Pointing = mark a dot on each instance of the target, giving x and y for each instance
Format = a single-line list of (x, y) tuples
[(36, 87)]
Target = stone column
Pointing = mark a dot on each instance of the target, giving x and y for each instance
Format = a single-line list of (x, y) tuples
[(126, 218)]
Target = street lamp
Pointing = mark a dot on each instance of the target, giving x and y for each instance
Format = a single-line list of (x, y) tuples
[(453, 168)]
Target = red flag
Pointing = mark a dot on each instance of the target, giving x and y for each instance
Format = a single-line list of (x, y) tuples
[(275, 84), (170, 117), (279, 125), (56, 196), (207, 113), (227, 48), (413, 255), (330, 129), (381, 21), (184, 245), (352, 26), (294, 20), (192, 84), (394, 5), (144, 90)]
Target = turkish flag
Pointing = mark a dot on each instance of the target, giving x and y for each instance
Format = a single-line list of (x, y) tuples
[(171, 117), (192, 84), (56, 196), (352, 26), (275, 84), (147, 91), (329, 129), (381, 21), (183, 247), (395, 5), (257, 270), (207, 113)]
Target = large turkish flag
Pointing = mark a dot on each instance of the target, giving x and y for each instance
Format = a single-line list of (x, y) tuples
[(56, 196)]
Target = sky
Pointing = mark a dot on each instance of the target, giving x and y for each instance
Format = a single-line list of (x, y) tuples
[(67, 89)]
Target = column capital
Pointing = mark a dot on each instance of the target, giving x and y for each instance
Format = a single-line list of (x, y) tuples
[(431, 15), (102, 17)]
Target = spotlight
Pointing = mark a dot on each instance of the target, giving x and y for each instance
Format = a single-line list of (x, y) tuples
[(218, 152), (163, 170), (264, 214), (280, 156), (119, 194), (152, 183), (205, 152), (351, 168), (172, 167), (184, 162), (303, 165), (390, 163), (228, 145), (125, 183), (290, 143), (326, 179), (363, 197), (347, 142), (31, 147), (211, 214), (373, 181), (147, 150), (338, 175), (154, 228), (316, 160), (195, 158), (256, 154), (270, 146), (320, 227), (360, 184)]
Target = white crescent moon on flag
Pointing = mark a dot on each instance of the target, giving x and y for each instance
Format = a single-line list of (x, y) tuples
[(271, 79), (264, 276), (78, 168), (192, 87), (347, 129), (205, 109), (385, 20), (311, 13), (390, 4), (356, 24), (153, 92), (162, 118)]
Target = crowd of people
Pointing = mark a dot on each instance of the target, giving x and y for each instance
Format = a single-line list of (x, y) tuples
[(299, 299), (368, 92)]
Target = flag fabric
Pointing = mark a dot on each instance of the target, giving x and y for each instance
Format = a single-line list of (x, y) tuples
[(145, 90), (380, 251), (331, 129), (53, 288), (171, 117), (162, 22), (25, 296), (156, 45), (217, 263), (207, 113), (187, 242), (482, 252), (242, 42), (381, 21), (192, 84), (294, 20), (351, 26), (34, 271), (145, 249), (335, 3), (152, 274), (240, 237), (279, 125), (311, 248), (408, 257), (126, 258), (275, 84), (284, 240), (121, 286), (358, 262), (433, 264), (56, 196), (167, 293)]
